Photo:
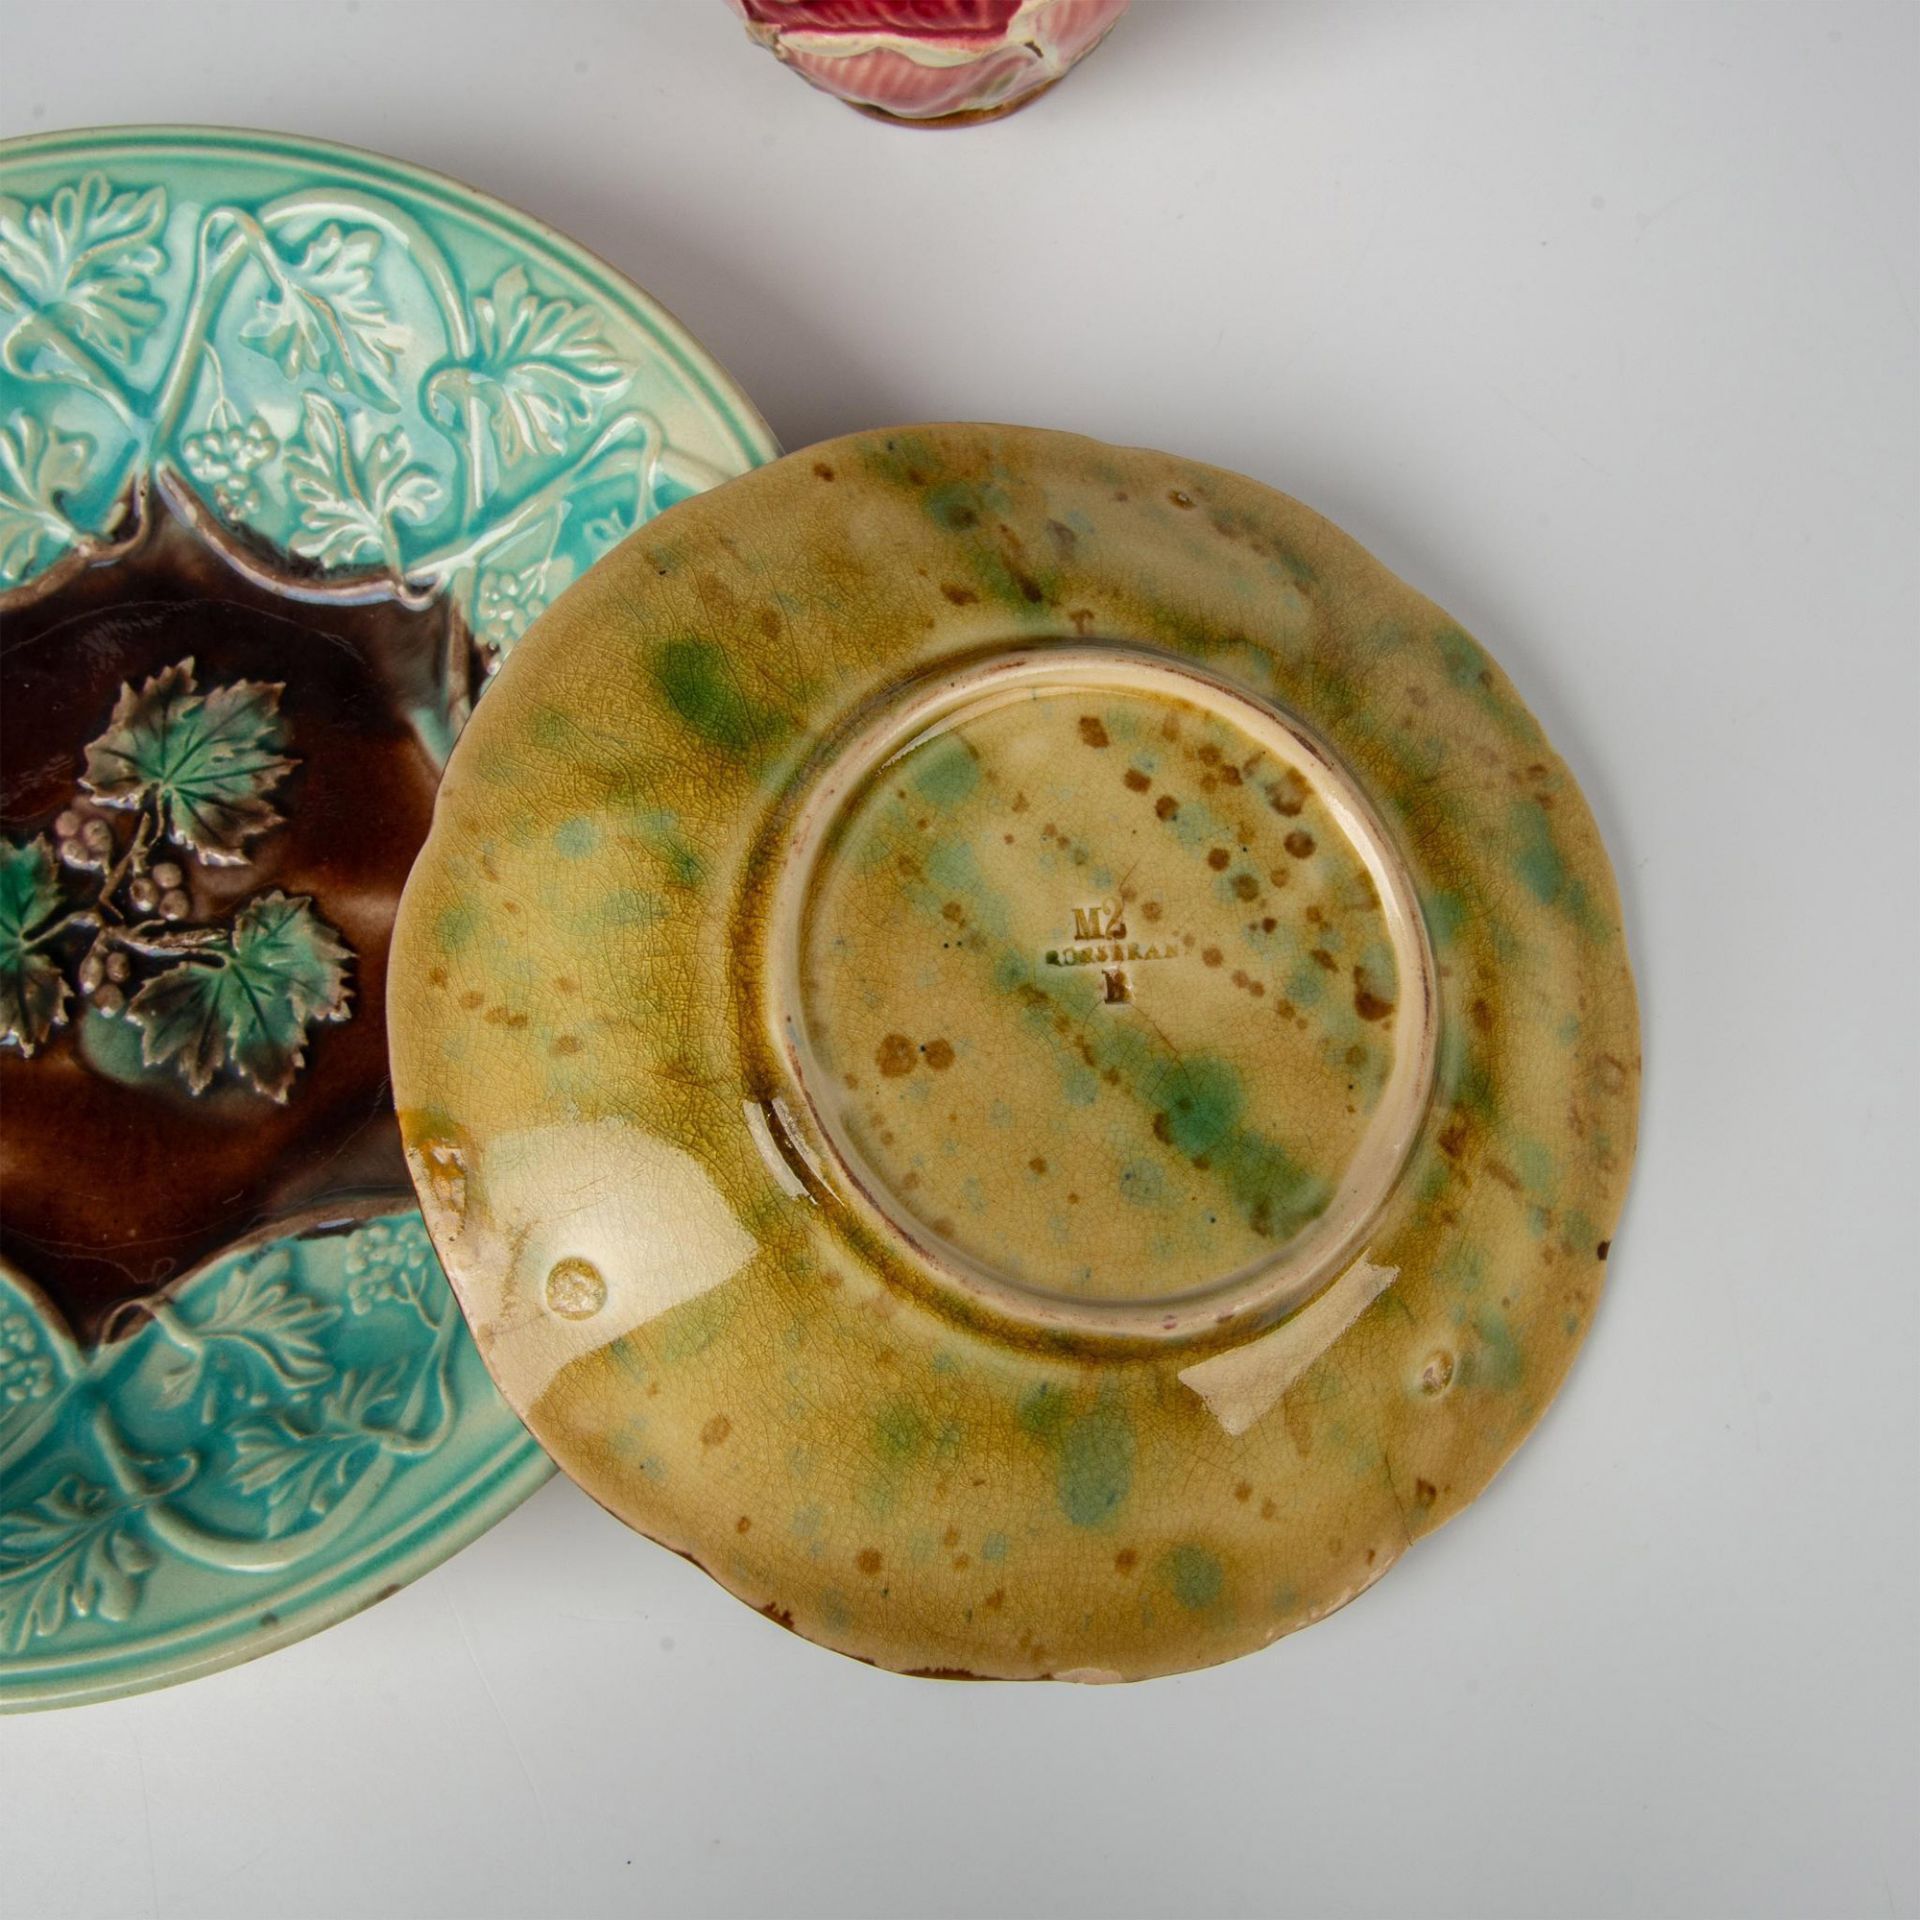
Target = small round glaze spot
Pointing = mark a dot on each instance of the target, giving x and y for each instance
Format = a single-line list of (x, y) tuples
[(576, 1289)]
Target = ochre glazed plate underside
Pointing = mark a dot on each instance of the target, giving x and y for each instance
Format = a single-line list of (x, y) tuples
[(1016, 1048)]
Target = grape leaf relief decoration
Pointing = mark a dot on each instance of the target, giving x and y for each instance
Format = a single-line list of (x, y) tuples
[(262, 1432), (352, 499), (538, 373), (313, 371), (320, 315), (39, 466), (34, 996), (75, 1552), (110, 912), (76, 276)]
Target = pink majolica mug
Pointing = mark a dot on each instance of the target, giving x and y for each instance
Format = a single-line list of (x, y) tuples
[(931, 62)]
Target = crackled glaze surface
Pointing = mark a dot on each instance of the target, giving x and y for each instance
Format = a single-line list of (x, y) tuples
[(293, 443), (753, 1037), (1090, 971)]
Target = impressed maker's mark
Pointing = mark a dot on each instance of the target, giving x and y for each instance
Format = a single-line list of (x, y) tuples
[(1100, 936)]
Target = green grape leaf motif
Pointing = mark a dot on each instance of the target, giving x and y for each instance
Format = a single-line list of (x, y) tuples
[(82, 265), (320, 316), (246, 1003), (33, 994), (205, 761), (38, 465), (236, 993)]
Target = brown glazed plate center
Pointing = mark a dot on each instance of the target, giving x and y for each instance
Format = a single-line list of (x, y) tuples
[(120, 1178)]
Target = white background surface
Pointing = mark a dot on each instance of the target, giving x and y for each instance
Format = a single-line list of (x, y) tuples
[(1598, 323)]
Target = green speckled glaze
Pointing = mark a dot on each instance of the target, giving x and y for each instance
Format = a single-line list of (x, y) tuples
[(1090, 989), (1016, 931), (819, 1202)]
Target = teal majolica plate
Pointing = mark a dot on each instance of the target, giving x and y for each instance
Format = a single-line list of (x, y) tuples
[(294, 443)]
